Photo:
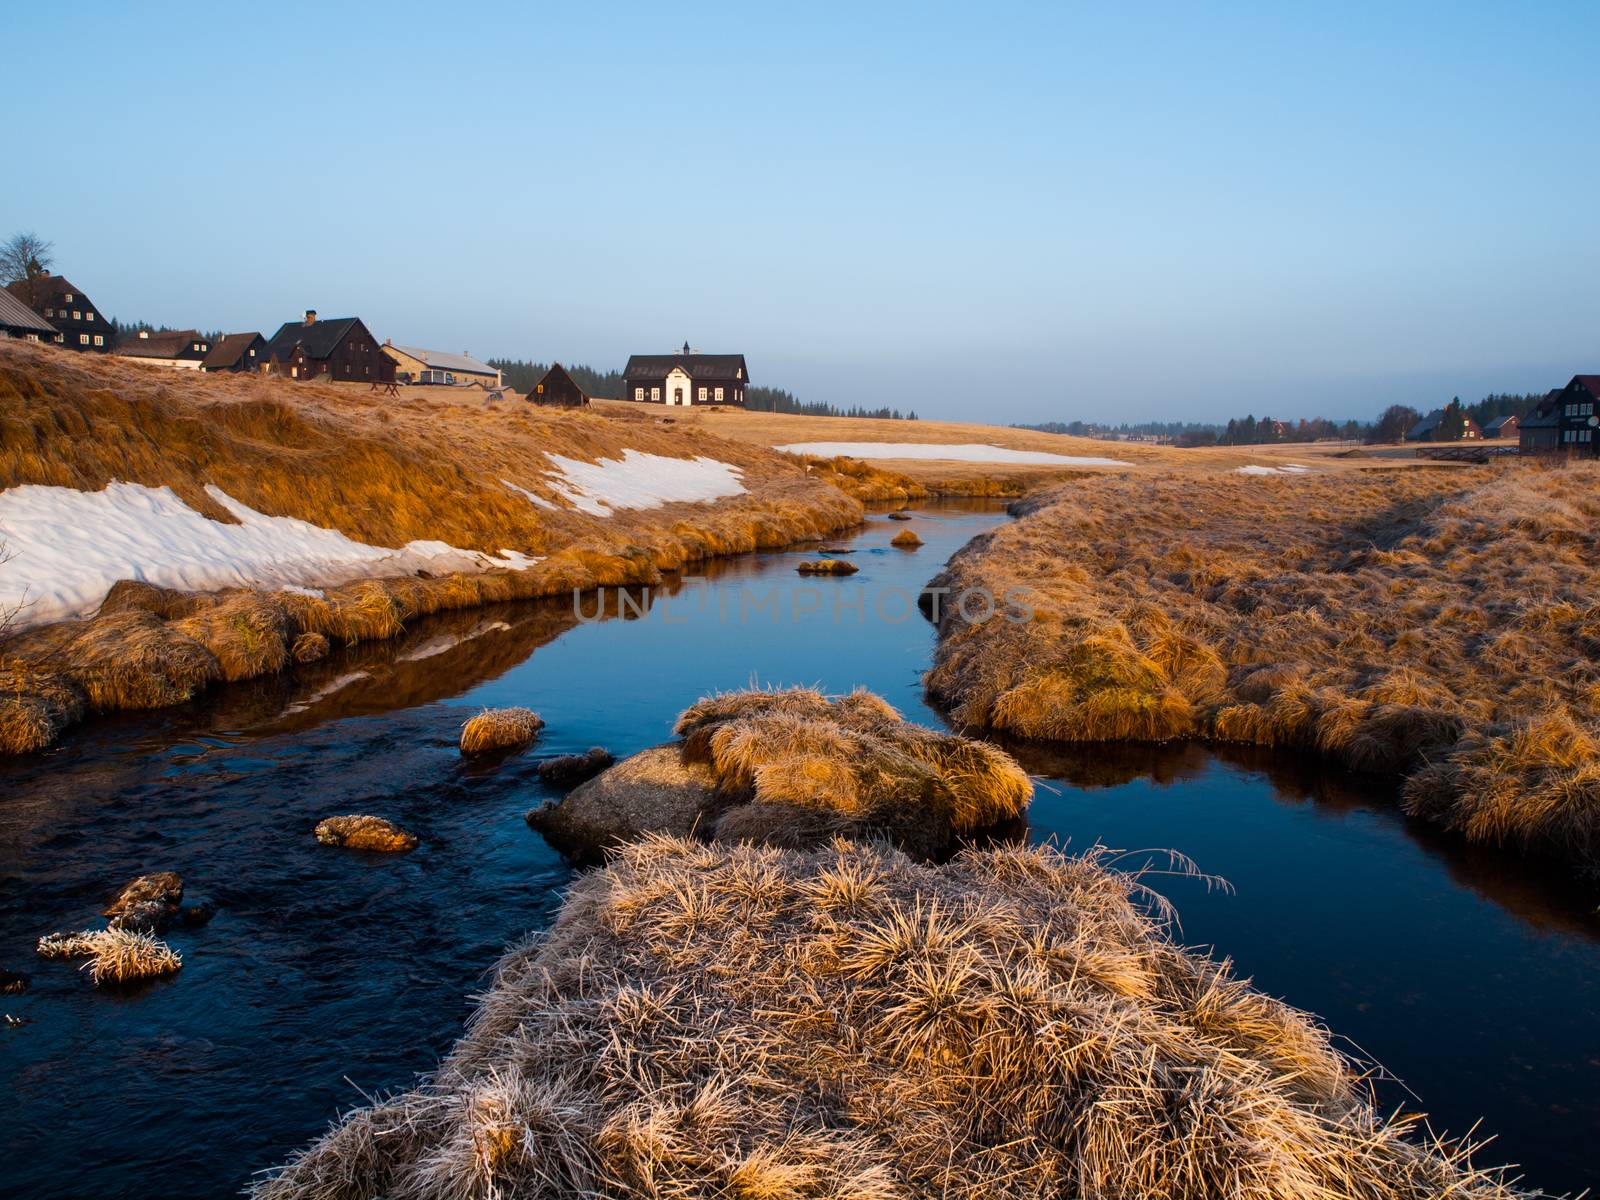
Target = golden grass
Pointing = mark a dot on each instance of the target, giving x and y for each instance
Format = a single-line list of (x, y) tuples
[(115, 955), (385, 472), (739, 1021), (357, 831), (500, 729), (798, 767), (827, 566), (1440, 625), (906, 540)]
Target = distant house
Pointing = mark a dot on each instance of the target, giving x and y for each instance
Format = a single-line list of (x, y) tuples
[(557, 387), (687, 377), (17, 320), (1430, 429), (415, 365), (1502, 427), (78, 324), (236, 352), (184, 349), (340, 349)]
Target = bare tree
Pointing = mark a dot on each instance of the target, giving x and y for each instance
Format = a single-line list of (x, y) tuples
[(25, 256)]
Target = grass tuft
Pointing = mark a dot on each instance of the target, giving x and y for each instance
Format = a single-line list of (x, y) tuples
[(738, 1021), (500, 729), (115, 955)]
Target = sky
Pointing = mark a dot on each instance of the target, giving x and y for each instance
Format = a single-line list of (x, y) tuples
[(998, 212)]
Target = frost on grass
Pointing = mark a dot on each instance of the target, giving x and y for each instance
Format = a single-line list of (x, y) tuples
[(737, 1021), (952, 452), (639, 480), (69, 547), (115, 955)]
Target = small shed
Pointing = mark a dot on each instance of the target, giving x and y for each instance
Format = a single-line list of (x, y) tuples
[(557, 388), (1502, 427)]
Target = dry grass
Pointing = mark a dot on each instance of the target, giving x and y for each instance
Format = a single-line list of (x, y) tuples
[(360, 832), (906, 540), (827, 566), (1440, 625), (794, 767), (115, 955), (385, 472), (500, 729), (743, 1022), (863, 480)]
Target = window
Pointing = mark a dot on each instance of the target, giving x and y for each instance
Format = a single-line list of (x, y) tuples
[(88, 314), (49, 312), (655, 394), (252, 352), (719, 395), (638, 393), (83, 339), (99, 340), (76, 315), (69, 297), (1572, 410), (702, 395)]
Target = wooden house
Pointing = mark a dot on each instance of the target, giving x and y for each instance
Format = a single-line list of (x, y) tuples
[(687, 377), (243, 352), (78, 324), (183, 349), (1577, 411), (1431, 429), (558, 388), (341, 349), (17, 320), (415, 365), (1540, 431), (1502, 427)]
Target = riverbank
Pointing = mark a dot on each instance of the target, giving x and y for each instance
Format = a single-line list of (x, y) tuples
[(1436, 625), (256, 520)]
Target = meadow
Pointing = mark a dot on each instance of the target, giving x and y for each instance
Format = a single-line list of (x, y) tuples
[(1437, 624)]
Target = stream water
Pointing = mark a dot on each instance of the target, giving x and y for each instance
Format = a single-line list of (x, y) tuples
[(326, 975)]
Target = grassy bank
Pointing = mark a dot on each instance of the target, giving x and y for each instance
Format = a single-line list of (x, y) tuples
[(379, 470), (738, 1021), (1442, 625)]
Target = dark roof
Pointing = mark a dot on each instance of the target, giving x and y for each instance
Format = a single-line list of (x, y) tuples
[(227, 350), (45, 289), (173, 343), (320, 338), (14, 314), (699, 367), (1425, 426), (1590, 383), (1500, 422)]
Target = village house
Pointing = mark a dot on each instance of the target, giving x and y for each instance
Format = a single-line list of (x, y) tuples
[(1565, 420), (340, 349), (1502, 427), (183, 349), (17, 320), (236, 352), (78, 324), (686, 378), (1430, 429), (414, 365), (558, 388)]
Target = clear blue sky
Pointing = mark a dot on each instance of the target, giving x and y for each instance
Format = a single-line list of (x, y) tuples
[(998, 212)]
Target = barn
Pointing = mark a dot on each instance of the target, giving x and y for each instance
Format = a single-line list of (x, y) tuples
[(687, 378), (558, 388)]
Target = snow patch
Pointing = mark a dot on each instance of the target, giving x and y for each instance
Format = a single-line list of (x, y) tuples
[(533, 496), (957, 452), (68, 547), (639, 480), (1257, 469)]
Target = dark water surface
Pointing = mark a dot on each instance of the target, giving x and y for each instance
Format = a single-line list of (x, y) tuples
[(328, 974)]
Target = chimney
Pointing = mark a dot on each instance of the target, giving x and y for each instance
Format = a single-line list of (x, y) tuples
[(311, 316)]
